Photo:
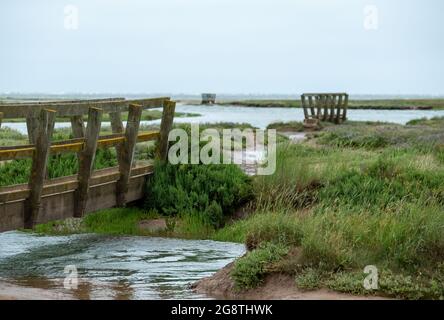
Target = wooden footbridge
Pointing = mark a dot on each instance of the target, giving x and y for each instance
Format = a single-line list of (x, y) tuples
[(42, 200)]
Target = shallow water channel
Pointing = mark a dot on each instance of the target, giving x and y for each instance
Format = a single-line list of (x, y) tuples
[(112, 267)]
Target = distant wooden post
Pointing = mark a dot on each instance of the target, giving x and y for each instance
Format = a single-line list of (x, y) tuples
[(165, 128), (332, 101), (32, 125), (345, 106), (339, 109), (78, 126), (86, 162), (208, 98), (304, 107), (318, 107), (39, 163), (312, 109), (325, 106), (1, 119), (127, 152)]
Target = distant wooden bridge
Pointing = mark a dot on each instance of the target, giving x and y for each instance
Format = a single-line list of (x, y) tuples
[(42, 200), (331, 107)]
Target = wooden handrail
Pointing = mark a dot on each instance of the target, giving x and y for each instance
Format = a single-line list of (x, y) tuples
[(70, 109), (72, 145)]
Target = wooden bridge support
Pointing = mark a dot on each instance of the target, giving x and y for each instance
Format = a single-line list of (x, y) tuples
[(117, 128), (86, 160), (127, 178), (165, 128), (78, 126), (330, 107), (32, 124), (127, 152), (39, 163)]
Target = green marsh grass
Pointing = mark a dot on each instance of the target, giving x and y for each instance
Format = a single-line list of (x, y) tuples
[(373, 204)]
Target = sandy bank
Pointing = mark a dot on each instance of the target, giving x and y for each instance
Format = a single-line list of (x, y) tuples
[(10, 291), (275, 287)]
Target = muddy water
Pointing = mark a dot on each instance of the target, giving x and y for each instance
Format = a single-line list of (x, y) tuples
[(110, 267)]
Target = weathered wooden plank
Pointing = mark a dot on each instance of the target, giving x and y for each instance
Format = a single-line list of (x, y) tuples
[(345, 106), (32, 125), (332, 104), (58, 101), (39, 163), (338, 110), (116, 122), (87, 160), (312, 109), (165, 128), (325, 100), (72, 145), (70, 183), (148, 136), (127, 153), (78, 108), (117, 128), (17, 152), (78, 126), (320, 94), (64, 148), (318, 103), (304, 106)]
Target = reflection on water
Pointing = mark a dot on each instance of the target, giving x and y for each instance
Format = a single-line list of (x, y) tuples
[(261, 117), (113, 267)]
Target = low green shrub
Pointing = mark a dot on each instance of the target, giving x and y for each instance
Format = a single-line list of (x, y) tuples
[(277, 228), (213, 190), (390, 284), (309, 279), (249, 271)]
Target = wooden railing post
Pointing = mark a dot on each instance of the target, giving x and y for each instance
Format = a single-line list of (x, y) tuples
[(318, 107), (310, 102), (165, 127), (304, 106), (78, 126), (1, 119), (345, 106), (339, 109), (32, 125), (86, 162), (39, 163), (117, 127), (332, 101), (325, 105), (127, 153)]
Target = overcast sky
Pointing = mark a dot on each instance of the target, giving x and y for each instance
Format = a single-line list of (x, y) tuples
[(223, 46)]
